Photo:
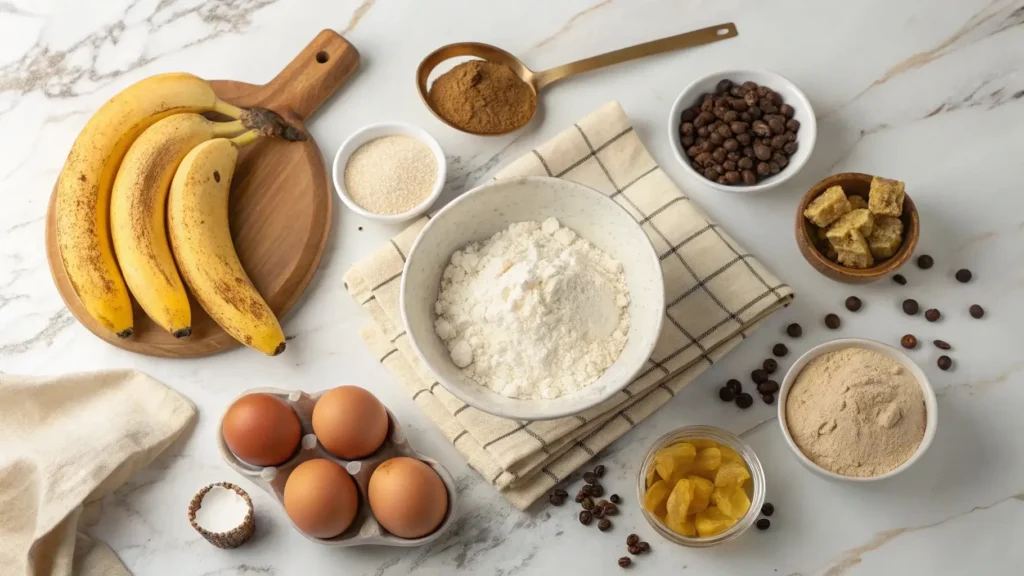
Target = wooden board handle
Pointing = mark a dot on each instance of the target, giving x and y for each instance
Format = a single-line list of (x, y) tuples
[(316, 73)]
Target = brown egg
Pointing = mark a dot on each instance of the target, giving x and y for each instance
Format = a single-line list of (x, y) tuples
[(320, 498), (261, 429), (407, 497), (350, 422)]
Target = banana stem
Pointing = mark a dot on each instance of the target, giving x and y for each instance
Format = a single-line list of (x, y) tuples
[(227, 109), (225, 129), (243, 140)]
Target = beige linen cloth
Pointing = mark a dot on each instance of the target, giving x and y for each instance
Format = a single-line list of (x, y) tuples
[(65, 442), (715, 292)]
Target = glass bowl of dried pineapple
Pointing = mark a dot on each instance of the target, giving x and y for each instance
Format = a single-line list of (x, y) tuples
[(700, 486)]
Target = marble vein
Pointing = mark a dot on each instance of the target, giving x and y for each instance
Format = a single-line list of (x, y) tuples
[(571, 22), (357, 15), (57, 323)]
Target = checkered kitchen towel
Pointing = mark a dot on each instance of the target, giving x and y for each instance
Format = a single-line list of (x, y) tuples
[(716, 292)]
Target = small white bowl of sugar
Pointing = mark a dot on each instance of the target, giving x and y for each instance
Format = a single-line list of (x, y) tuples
[(390, 172)]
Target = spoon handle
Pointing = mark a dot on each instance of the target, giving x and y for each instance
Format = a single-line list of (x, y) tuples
[(685, 40)]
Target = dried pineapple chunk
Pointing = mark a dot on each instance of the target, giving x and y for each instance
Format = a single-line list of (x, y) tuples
[(702, 489), (707, 462), (730, 455), (712, 521), (733, 502), (684, 528), (678, 504), (731, 475), (652, 476), (673, 462), (654, 499), (702, 443)]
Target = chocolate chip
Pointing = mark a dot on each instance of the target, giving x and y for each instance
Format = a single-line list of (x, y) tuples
[(925, 262), (587, 490), (899, 279), (588, 503), (726, 394), (853, 304), (580, 496), (586, 517), (615, 498), (763, 524), (734, 385), (758, 376), (598, 512), (599, 470), (794, 330), (604, 525), (634, 550), (942, 344), (963, 275), (770, 365), (945, 362), (932, 315), (561, 493), (780, 350), (768, 398), (632, 540), (832, 321), (624, 562), (644, 546), (596, 490), (590, 477), (610, 509), (744, 400), (556, 500), (768, 387), (910, 306), (977, 311), (909, 341), (768, 509)]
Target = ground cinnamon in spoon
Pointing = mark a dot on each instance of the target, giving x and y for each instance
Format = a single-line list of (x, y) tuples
[(483, 97)]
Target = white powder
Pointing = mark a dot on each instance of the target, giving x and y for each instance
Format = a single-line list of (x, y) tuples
[(390, 175), (221, 510), (533, 312)]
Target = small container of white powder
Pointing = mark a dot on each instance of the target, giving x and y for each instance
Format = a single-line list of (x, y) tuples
[(223, 514), (391, 172)]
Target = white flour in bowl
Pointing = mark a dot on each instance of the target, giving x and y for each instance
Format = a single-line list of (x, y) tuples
[(535, 311)]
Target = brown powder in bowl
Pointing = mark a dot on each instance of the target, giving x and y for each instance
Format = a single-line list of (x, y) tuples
[(483, 97), (856, 412)]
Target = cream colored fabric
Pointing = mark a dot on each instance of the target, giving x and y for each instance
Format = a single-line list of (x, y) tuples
[(65, 442), (715, 292)]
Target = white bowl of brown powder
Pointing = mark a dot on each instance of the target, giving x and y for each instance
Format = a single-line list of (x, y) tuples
[(857, 410)]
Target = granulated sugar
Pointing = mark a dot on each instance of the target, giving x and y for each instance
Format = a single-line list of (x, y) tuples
[(856, 412), (390, 175)]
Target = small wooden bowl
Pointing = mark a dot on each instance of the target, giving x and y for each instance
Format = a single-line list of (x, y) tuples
[(806, 238)]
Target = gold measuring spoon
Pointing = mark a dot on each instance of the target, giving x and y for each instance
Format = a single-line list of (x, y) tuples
[(539, 80)]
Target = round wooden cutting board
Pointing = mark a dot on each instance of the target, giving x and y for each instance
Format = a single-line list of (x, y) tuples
[(280, 207)]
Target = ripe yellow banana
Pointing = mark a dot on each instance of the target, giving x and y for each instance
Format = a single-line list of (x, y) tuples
[(138, 213), (197, 219), (83, 189)]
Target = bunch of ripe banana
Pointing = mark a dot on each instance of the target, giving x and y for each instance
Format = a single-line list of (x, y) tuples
[(149, 175)]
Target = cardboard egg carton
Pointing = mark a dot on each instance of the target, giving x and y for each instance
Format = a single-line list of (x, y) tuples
[(365, 530)]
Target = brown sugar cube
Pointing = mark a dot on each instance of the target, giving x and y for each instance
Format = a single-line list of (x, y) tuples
[(885, 197), (886, 237), (825, 209), (849, 239), (861, 220), (854, 251), (855, 259), (857, 202)]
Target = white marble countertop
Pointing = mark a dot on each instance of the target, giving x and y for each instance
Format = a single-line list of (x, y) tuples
[(926, 91)]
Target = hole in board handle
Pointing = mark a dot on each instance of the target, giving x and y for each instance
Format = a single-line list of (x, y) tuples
[(322, 57), (721, 32)]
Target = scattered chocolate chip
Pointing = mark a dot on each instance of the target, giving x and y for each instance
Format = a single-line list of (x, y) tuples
[(942, 344), (596, 490), (768, 387), (744, 400), (561, 493), (768, 509), (590, 478), (780, 350), (735, 385), (601, 503), (610, 509), (644, 546), (634, 550), (758, 376), (945, 362), (853, 303), (909, 341), (925, 262), (632, 540), (604, 525), (556, 500), (832, 321), (932, 315), (763, 524), (586, 517), (580, 496), (588, 503), (599, 471), (900, 279), (768, 398), (794, 330), (963, 275), (910, 306), (598, 512), (770, 365), (726, 394), (624, 562), (615, 498), (587, 490), (977, 311)]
